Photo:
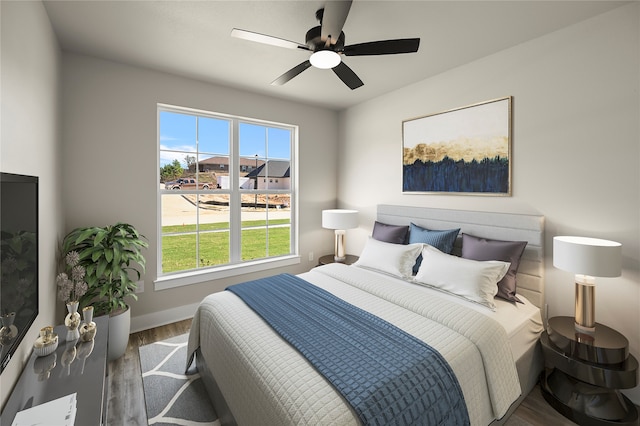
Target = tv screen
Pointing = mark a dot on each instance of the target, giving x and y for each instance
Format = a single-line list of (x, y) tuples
[(18, 260)]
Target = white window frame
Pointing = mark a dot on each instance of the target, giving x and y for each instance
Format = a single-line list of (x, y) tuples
[(178, 279)]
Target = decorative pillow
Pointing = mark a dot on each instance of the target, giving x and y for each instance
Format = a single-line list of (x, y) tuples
[(442, 240), (477, 248), (390, 233), (471, 279), (394, 259)]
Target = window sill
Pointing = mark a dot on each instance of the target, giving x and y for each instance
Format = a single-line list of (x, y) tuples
[(196, 277)]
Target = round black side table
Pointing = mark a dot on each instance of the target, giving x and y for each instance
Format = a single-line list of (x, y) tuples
[(328, 258), (583, 372)]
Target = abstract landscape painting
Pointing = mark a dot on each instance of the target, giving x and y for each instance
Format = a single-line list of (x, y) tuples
[(465, 150)]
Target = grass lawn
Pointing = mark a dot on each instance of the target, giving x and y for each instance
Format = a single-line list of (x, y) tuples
[(179, 243)]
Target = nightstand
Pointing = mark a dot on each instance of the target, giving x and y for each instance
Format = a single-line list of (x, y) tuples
[(326, 259), (583, 373)]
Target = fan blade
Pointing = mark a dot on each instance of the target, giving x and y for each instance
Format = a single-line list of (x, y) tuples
[(347, 76), (261, 38), (384, 47), (333, 19), (291, 73)]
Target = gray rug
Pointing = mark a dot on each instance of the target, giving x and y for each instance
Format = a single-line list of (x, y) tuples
[(171, 397)]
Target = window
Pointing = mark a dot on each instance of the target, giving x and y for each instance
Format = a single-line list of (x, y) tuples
[(216, 219)]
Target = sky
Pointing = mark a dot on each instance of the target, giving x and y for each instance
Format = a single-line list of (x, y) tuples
[(178, 133)]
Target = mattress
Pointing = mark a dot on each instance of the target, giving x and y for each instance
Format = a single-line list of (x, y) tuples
[(521, 321), (265, 381)]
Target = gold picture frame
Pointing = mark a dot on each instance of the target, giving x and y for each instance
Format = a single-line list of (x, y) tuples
[(465, 150)]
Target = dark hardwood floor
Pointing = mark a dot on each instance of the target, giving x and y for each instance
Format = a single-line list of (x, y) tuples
[(125, 403), (126, 398)]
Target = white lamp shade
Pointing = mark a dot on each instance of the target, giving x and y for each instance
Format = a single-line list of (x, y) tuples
[(587, 256), (339, 219)]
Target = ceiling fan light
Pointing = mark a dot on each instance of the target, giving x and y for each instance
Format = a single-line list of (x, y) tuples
[(325, 59)]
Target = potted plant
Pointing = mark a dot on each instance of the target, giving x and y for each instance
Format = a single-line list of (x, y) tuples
[(113, 265)]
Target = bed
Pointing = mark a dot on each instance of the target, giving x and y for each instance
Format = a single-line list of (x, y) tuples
[(254, 376)]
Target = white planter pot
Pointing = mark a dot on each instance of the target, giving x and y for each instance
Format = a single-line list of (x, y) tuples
[(119, 328)]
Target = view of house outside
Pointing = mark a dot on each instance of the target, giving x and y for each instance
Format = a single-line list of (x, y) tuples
[(204, 190)]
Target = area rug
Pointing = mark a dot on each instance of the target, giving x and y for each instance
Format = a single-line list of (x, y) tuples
[(171, 396)]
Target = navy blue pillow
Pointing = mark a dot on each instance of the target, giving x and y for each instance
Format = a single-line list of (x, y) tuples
[(442, 240)]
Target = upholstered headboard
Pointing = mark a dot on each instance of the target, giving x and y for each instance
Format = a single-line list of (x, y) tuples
[(500, 226)]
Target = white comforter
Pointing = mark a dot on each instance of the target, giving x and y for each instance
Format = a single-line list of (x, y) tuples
[(265, 381)]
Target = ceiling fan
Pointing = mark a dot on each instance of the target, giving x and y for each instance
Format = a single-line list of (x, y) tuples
[(326, 41)]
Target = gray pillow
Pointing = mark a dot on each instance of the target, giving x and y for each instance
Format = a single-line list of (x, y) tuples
[(477, 248), (390, 233)]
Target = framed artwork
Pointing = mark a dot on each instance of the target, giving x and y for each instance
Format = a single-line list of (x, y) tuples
[(465, 150)]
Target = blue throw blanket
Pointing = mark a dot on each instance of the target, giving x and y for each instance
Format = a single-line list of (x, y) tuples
[(386, 375)]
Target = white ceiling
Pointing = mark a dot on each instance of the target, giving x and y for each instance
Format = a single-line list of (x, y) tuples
[(192, 38)]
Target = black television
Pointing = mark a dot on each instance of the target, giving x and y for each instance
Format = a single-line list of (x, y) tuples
[(18, 260)]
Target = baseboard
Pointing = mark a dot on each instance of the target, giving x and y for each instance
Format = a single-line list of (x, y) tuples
[(157, 319)]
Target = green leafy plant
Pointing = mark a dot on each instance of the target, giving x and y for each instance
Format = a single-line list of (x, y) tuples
[(113, 263)]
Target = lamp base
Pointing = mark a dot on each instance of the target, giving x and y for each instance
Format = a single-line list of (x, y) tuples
[(338, 249), (585, 309), (584, 330)]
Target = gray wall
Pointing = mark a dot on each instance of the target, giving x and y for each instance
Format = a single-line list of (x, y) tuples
[(110, 162), (30, 144), (576, 139)]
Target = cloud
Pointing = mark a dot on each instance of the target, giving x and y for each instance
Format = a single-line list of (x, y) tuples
[(167, 157)]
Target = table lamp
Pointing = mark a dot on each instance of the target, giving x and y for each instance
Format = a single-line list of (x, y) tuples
[(587, 258), (340, 220)]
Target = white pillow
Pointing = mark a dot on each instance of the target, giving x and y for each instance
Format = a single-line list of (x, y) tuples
[(472, 279), (394, 259)]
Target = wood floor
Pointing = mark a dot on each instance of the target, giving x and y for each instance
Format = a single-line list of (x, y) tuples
[(126, 397)]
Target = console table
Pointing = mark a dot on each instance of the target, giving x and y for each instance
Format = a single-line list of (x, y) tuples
[(47, 378), (583, 372)]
